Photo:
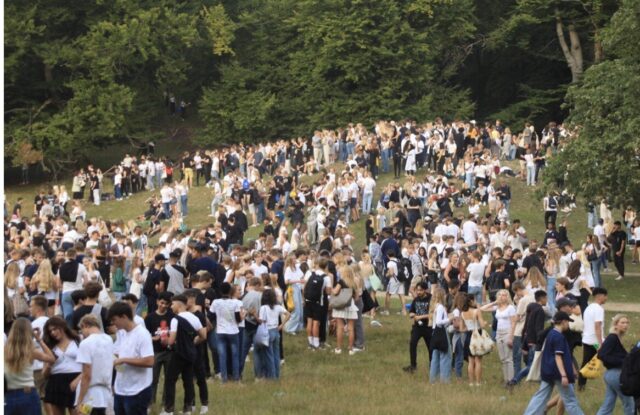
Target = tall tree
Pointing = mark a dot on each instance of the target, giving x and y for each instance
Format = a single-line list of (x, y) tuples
[(603, 158)]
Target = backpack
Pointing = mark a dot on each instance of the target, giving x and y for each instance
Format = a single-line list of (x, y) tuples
[(495, 283), (313, 288), (149, 288), (404, 270), (553, 202), (184, 345), (630, 374)]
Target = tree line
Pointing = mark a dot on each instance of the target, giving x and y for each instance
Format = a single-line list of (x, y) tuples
[(83, 75)]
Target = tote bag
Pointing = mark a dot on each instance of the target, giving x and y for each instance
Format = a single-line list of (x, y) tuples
[(534, 370), (261, 338), (593, 369), (342, 300), (104, 298), (481, 343), (375, 282)]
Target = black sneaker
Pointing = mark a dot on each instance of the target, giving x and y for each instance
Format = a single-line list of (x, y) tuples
[(409, 369)]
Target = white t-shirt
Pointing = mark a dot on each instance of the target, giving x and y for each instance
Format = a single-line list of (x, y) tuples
[(592, 314), (190, 317), (470, 232), (131, 380), (292, 274), (225, 309), (66, 360), (368, 185), (39, 324), (476, 274), (270, 315), (97, 350), (504, 317)]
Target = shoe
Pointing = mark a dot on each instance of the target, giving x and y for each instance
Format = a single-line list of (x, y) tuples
[(352, 352), (337, 351), (281, 362), (385, 312), (409, 369), (166, 413), (376, 323), (620, 278), (204, 410)]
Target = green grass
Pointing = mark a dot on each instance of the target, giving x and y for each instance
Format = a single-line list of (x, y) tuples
[(373, 382)]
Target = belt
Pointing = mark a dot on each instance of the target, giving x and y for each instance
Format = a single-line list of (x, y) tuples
[(27, 390)]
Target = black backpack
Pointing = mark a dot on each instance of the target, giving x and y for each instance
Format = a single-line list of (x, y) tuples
[(404, 270), (553, 202), (313, 288), (184, 345), (495, 283), (630, 374)]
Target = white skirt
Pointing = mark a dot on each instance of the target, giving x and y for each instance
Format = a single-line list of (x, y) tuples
[(347, 313)]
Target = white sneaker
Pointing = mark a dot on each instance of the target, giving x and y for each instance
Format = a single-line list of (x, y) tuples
[(376, 323), (337, 351), (204, 410), (352, 352), (166, 413), (620, 278)]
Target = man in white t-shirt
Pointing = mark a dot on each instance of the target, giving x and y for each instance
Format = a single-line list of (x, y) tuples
[(38, 309), (368, 186), (95, 353), (593, 333), (395, 286), (475, 276), (134, 364), (166, 194), (470, 231)]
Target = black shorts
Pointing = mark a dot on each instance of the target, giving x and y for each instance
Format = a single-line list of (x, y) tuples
[(313, 310), (354, 203)]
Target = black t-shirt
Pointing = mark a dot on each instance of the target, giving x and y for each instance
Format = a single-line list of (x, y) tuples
[(38, 201), (617, 238), (420, 307), (95, 182), (82, 311), (158, 325)]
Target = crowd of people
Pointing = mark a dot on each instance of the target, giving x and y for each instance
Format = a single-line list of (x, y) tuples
[(94, 312)]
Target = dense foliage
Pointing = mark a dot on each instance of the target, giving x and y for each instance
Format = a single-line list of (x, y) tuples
[(82, 75), (603, 160)]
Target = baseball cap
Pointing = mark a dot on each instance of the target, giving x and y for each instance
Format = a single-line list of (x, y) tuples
[(159, 257), (561, 316)]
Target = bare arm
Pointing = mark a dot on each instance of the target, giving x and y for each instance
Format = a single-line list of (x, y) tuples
[(85, 380), (135, 361)]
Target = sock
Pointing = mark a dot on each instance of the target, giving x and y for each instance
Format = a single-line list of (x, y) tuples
[(316, 341), (310, 340)]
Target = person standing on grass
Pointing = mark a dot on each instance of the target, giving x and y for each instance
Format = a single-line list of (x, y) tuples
[(421, 329), (395, 286), (72, 275), (348, 313), (157, 323), (134, 363), (185, 332), (228, 314), (618, 239), (251, 303), (593, 334), (440, 365), (556, 370), (95, 354), (505, 314), (533, 324), (270, 313), (317, 286), (612, 353)]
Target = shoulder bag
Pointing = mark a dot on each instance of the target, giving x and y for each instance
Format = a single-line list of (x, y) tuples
[(481, 343), (534, 371), (342, 300)]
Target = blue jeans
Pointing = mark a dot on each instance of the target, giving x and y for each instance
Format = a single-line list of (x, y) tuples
[(183, 205), (538, 402), (166, 208), (459, 353), (506, 203), (225, 343), (117, 191), (612, 384), (367, 199), (18, 402), (591, 220), (468, 178), (350, 148), (385, 160), (150, 185), (477, 294), (296, 322), (603, 260), (269, 359), (531, 175), (142, 304), (517, 353), (595, 270), (247, 342), (67, 306), (512, 152), (551, 292), (522, 374), (440, 366), (134, 404)]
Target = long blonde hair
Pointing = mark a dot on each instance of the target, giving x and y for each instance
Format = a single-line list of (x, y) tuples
[(45, 277), (11, 276), (18, 351), (535, 278), (348, 276)]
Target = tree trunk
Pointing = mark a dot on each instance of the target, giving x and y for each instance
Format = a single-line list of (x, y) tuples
[(573, 53), (598, 50)]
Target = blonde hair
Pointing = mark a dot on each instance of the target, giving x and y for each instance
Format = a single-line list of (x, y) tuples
[(615, 320), (506, 292), (45, 276), (348, 276), (535, 279), (18, 350), (11, 276)]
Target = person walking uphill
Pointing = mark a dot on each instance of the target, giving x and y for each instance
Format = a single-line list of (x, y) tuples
[(556, 370), (421, 329)]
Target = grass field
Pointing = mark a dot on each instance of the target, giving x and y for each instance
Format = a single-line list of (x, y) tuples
[(373, 382)]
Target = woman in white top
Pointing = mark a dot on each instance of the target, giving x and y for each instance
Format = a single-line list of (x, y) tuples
[(440, 359), (20, 350), (14, 283), (506, 316), (348, 313), (59, 394), (473, 320), (270, 314), (294, 278)]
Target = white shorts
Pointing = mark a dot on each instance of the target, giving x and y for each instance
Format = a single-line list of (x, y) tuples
[(395, 287)]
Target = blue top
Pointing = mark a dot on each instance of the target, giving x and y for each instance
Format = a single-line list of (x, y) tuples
[(555, 344)]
